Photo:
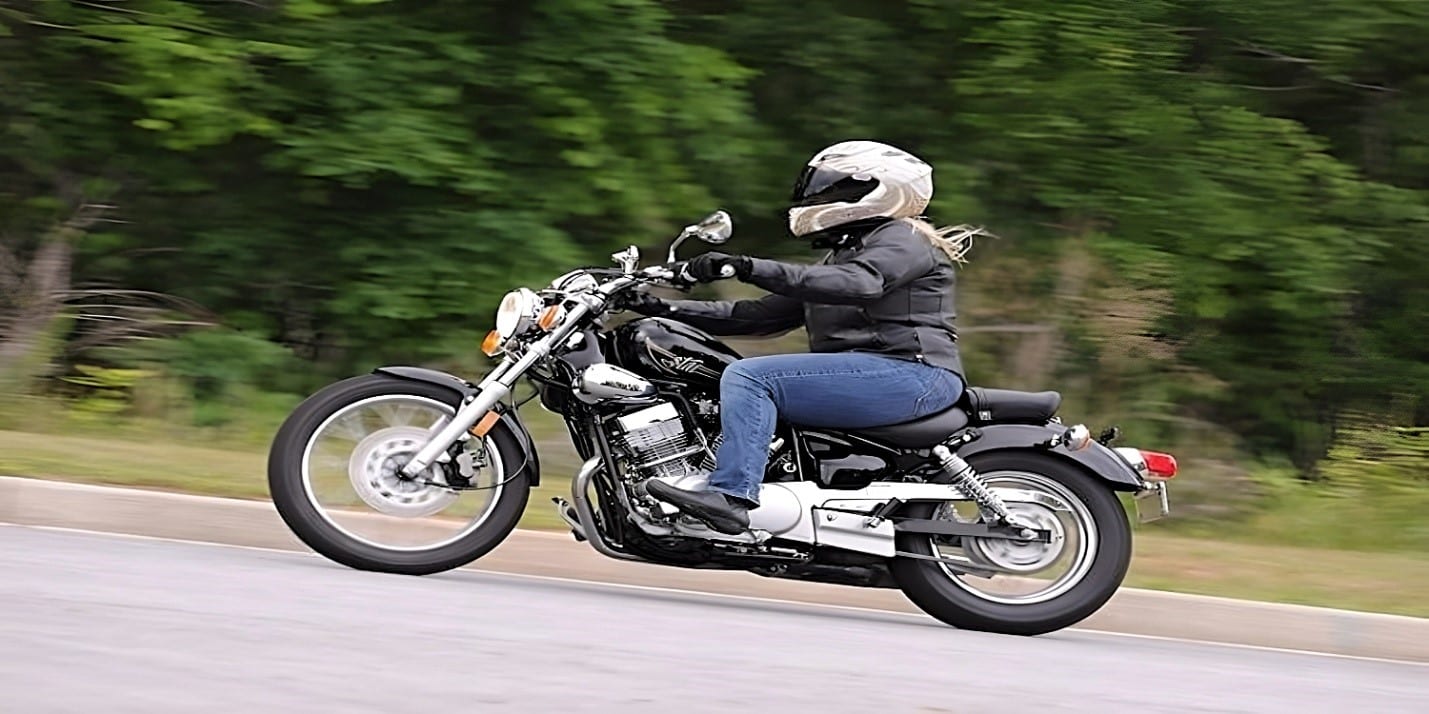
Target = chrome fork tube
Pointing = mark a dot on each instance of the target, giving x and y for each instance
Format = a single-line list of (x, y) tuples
[(491, 390)]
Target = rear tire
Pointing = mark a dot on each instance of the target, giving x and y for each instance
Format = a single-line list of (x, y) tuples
[(286, 485), (930, 586)]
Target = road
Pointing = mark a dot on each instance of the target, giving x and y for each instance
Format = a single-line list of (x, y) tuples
[(92, 623)]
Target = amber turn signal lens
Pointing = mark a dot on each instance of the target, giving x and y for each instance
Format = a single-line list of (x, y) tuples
[(487, 421), (492, 344), (549, 317)]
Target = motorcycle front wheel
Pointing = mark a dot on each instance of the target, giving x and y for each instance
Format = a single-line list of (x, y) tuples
[(1021, 587), (333, 474)]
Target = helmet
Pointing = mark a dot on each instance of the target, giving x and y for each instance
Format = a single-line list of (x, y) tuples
[(855, 181)]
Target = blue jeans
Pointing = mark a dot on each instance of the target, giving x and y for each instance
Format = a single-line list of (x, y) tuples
[(848, 390)]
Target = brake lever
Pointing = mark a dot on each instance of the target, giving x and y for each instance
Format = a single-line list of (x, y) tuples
[(726, 271), (669, 276)]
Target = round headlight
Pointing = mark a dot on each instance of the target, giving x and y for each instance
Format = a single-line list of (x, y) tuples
[(515, 313)]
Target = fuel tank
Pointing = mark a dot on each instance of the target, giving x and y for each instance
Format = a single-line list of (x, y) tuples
[(660, 348)]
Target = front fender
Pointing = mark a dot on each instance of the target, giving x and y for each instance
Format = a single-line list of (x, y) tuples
[(509, 418), (1096, 458)]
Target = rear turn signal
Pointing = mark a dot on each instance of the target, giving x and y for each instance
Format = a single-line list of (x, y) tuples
[(1159, 466), (492, 344)]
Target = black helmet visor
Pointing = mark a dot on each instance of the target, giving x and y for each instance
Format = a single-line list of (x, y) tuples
[(817, 186)]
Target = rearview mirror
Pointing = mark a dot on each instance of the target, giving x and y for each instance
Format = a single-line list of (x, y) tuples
[(714, 229)]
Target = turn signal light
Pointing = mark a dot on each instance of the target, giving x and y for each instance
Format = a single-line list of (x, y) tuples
[(487, 421), (1158, 465), (492, 344), (549, 317)]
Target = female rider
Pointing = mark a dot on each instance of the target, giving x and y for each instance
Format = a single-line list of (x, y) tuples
[(878, 310)]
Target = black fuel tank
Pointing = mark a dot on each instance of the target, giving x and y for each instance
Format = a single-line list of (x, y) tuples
[(665, 349)]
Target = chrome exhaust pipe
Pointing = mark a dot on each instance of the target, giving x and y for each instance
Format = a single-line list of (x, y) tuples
[(579, 485)]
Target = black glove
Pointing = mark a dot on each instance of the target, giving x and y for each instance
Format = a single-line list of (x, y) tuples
[(710, 266), (645, 304)]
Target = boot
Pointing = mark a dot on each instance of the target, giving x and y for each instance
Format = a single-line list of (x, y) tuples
[(722, 513)]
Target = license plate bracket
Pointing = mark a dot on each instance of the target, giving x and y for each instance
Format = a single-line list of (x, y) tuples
[(1153, 503)]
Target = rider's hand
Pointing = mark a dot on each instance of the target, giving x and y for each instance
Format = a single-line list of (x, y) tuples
[(709, 266), (645, 304)]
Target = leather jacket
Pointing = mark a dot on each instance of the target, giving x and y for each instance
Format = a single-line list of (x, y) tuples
[(883, 289)]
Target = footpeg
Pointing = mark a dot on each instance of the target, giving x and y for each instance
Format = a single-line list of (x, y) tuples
[(567, 512)]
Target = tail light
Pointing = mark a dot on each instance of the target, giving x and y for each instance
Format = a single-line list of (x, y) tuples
[(1159, 466)]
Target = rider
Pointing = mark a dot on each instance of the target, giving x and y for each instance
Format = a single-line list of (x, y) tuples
[(878, 310)]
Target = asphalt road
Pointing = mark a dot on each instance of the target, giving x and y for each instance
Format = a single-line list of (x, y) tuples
[(95, 624)]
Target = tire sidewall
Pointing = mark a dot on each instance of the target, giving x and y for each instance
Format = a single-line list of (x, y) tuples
[(930, 587), (286, 488)]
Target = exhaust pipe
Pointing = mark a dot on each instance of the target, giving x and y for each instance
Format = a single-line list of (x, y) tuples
[(579, 486)]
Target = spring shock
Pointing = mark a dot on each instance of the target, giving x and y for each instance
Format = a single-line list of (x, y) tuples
[(966, 478)]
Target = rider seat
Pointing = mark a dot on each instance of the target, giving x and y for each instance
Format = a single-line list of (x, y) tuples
[(976, 406)]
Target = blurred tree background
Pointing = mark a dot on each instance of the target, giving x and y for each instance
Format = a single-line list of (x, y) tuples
[(1211, 214)]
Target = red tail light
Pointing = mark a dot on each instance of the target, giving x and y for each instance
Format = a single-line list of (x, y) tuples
[(1159, 465)]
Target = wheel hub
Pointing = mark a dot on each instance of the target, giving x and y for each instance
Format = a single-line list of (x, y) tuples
[(1022, 556), (375, 471)]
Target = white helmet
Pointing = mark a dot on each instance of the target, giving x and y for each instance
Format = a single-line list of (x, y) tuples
[(857, 180)]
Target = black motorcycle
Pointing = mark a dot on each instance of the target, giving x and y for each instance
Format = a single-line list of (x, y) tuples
[(992, 515)]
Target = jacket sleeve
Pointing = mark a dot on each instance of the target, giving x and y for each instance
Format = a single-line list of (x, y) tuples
[(768, 315), (890, 258)]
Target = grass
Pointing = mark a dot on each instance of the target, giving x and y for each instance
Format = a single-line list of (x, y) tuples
[(1380, 582)]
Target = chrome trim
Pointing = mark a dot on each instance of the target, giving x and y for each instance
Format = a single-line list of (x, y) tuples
[(603, 381), (698, 448)]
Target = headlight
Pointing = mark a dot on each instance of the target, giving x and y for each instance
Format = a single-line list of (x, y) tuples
[(517, 310)]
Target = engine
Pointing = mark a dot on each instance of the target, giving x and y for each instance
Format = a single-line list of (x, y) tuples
[(658, 442)]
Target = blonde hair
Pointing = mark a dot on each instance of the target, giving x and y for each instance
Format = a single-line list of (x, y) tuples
[(954, 241)]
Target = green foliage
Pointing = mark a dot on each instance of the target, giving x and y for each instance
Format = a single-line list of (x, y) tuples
[(1371, 494), (358, 182), (215, 362), (1369, 458), (105, 391)]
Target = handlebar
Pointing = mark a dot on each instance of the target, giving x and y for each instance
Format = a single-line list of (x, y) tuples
[(665, 273)]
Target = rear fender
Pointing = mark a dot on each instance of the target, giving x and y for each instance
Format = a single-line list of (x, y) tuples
[(509, 418), (1096, 459)]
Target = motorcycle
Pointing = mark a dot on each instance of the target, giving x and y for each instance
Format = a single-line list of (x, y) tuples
[(992, 515)]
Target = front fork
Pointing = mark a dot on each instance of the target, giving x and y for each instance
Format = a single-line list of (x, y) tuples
[(471, 418)]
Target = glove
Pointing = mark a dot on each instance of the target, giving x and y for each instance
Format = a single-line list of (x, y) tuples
[(645, 304), (710, 266)]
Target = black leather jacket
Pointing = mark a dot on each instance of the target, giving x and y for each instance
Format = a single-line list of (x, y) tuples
[(885, 290)]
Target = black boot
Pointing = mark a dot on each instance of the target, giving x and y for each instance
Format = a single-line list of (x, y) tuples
[(720, 512)]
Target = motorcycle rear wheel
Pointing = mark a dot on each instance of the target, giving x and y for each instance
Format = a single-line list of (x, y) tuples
[(1097, 562), (387, 504)]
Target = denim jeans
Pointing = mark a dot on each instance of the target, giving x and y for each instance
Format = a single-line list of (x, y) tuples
[(848, 390)]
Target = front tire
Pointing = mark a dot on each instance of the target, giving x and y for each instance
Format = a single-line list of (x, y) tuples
[(291, 466), (938, 591)]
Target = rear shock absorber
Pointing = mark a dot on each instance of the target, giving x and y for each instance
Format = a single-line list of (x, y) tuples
[(967, 479)]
